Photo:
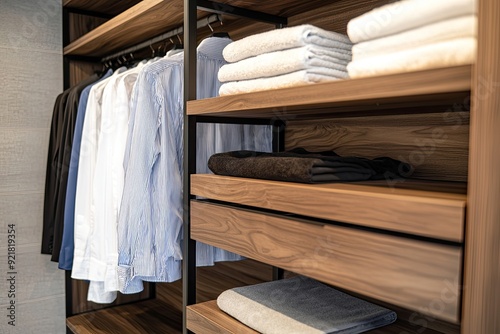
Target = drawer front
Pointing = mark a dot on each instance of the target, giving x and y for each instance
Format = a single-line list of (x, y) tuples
[(418, 275)]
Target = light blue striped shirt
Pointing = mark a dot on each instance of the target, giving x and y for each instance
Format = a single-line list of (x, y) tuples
[(150, 219)]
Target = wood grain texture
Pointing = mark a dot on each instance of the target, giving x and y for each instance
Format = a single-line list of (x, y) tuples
[(79, 70), (436, 144), (81, 24), (413, 274), (80, 291), (375, 92), (144, 20), (207, 318), (427, 213), (151, 316), (112, 7), (482, 266)]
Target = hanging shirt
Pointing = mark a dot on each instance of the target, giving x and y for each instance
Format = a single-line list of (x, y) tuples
[(108, 185), (67, 246), (84, 210), (150, 220)]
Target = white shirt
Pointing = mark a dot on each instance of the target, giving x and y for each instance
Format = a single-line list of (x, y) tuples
[(85, 245)]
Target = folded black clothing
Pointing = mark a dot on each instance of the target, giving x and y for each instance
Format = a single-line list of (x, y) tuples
[(299, 165)]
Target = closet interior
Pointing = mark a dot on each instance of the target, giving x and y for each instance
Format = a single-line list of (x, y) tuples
[(425, 247)]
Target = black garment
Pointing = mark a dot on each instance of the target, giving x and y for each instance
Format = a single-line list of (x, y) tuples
[(300, 165), (51, 173), (59, 159)]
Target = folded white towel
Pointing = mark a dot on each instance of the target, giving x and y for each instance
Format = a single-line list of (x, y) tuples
[(460, 51), (283, 62), (298, 78), (404, 15), (463, 26), (286, 38)]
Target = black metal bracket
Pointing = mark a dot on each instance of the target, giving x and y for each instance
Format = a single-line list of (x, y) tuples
[(221, 8)]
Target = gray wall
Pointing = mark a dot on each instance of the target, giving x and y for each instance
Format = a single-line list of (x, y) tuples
[(31, 78)]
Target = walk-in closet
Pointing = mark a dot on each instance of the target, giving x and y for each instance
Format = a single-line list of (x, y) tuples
[(418, 237)]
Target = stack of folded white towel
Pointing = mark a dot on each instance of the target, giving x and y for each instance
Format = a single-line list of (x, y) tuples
[(284, 58), (412, 35)]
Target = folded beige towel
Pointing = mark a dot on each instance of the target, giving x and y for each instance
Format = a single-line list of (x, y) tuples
[(404, 15), (283, 39), (298, 78), (282, 62), (460, 51), (463, 26)]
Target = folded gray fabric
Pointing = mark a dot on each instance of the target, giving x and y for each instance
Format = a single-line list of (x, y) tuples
[(302, 305), (300, 165)]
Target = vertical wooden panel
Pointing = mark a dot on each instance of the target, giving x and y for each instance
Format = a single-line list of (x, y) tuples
[(482, 267), (436, 145)]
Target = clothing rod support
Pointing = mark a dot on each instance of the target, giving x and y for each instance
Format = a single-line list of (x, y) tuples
[(177, 31), (222, 8)]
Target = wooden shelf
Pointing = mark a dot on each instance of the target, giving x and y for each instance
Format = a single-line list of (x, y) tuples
[(429, 211), (384, 92), (113, 7), (151, 316), (149, 18), (206, 318), (142, 21)]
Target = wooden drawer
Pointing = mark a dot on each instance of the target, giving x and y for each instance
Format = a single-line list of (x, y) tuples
[(419, 275), (425, 212)]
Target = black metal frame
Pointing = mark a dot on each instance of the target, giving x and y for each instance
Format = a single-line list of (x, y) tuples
[(189, 245)]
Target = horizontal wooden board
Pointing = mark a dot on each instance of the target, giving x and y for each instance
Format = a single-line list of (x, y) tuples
[(207, 318), (151, 316), (144, 20), (414, 274), (432, 212), (342, 96)]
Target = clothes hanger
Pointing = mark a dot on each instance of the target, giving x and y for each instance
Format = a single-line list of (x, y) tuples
[(221, 34), (178, 46)]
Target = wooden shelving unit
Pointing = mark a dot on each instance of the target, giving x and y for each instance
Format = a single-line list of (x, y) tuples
[(420, 232), (343, 96)]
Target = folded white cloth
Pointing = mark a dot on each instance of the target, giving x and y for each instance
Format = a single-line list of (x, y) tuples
[(286, 38), (404, 15), (463, 26), (298, 78), (282, 62), (459, 51)]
